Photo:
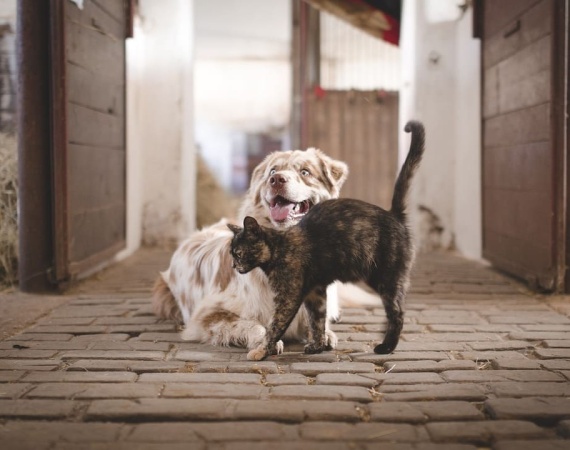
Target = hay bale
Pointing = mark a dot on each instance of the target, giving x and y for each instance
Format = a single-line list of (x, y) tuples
[(8, 210), (213, 202)]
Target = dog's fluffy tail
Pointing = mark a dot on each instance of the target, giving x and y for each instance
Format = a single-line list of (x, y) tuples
[(399, 200), (163, 303)]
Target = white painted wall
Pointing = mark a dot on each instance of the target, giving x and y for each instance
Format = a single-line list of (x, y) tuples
[(441, 87), (160, 138)]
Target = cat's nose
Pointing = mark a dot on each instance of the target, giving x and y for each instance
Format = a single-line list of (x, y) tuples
[(277, 180)]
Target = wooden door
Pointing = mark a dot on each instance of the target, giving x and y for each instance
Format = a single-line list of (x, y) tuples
[(88, 122), (523, 108), (361, 129)]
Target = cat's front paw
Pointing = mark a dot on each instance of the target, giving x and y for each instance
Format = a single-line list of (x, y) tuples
[(257, 354), (279, 348), (331, 341)]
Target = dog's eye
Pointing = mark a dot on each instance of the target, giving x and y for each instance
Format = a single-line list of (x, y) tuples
[(305, 172), (272, 172)]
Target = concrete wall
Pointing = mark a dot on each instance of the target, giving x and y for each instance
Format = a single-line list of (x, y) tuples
[(160, 139), (441, 87)]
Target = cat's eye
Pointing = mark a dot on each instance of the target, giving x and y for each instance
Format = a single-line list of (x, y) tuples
[(305, 172)]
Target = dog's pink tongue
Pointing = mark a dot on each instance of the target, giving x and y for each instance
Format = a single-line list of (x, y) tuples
[(280, 212)]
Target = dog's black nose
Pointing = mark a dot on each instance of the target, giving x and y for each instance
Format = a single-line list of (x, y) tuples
[(277, 179)]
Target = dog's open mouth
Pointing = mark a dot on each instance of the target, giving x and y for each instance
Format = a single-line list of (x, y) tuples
[(282, 209)]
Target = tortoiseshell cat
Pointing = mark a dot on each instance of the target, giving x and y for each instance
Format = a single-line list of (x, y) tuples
[(341, 239)]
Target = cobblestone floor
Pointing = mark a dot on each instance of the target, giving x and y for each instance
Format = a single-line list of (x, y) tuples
[(482, 364)]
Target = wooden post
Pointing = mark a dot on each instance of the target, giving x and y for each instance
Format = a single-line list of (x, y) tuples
[(34, 152)]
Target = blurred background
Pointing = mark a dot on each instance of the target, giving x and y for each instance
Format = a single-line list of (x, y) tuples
[(135, 122)]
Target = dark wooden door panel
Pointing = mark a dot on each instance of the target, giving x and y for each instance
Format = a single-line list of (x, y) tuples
[(91, 176), (519, 140), (360, 128)]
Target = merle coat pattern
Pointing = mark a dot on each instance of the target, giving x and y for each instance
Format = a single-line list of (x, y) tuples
[(341, 239)]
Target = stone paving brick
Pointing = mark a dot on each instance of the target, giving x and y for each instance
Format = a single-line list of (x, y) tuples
[(28, 354), (13, 390), (434, 392), (234, 378), (406, 378), (89, 311), (452, 337), (499, 375), (418, 346), (123, 365), (160, 337), (51, 432), (343, 379), (429, 366), (11, 376), (211, 390), (555, 364), (114, 354), (545, 327), (69, 321), (68, 329), (94, 390), (533, 408), (321, 392), (287, 445), (80, 377), (284, 378), (138, 329), (399, 356), (131, 345), (131, 446), (531, 389), (363, 432), (531, 445), (537, 335), (115, 337), (420, 412), (44, 345), (238, 367), (28, 364), (490, 355), (312, 369), (153, 320), (36, 409), (500, 345), (515, 364), (40, 337), (483, 432), (548, 353), (557, 343)]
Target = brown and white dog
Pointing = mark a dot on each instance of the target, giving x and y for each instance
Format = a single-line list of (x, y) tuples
[(201, 290)]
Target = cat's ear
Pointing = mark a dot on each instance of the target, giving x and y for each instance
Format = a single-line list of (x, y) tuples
[(250, 225), (234, 228)]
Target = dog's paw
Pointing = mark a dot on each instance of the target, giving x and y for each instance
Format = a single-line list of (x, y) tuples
[(313, 348), (279, 347), (257, 354), (255, 336), (331, 341)]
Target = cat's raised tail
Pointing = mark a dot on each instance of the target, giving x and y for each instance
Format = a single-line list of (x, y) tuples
[(400, 197)]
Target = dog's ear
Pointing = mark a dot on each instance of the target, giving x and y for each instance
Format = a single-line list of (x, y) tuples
[(250, 225), (335, 171), (234, 228)]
